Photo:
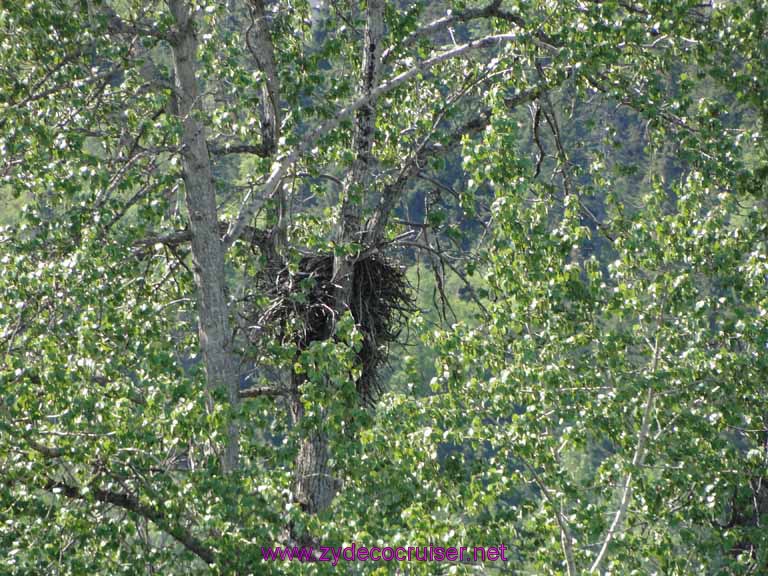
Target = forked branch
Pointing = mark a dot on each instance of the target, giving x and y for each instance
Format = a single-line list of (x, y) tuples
[(279, 169)]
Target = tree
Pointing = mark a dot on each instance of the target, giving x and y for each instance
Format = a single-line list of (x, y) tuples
[(198, 302)]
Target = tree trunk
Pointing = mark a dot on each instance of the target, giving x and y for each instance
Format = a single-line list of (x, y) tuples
[(315, 486), (207, 248)]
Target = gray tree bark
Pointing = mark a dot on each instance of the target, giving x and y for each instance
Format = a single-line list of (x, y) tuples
[(259, 41), (215, 334), (362, 144), (315, 486)]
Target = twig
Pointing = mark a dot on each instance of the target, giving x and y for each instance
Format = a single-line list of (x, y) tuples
[(450, 265)]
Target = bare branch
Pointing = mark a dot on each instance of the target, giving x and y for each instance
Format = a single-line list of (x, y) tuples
[(444, 261), (330, 177), (259, 150), (262, 391), (179, 237), (566, 538)]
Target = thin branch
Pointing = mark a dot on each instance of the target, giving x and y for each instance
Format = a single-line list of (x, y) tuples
[(639, 455), (570, 188), (178, 237), (566, 539), (33, 93), (259, 150), (445, 261), (262, 391), (50, 452), (394, 191), (319, 175)]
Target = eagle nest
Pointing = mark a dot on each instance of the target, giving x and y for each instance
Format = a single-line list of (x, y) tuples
[(381, 302)]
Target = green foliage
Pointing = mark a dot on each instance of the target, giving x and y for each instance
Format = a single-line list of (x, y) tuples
[(588, 368)]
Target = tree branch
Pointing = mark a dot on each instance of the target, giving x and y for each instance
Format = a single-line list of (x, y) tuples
[(179, 237), (250, 203), (260, 150), (639, 455), (445, 261), (566, 538), (491, 10), (394, 191), (132, 504), (263, 52), (262, 391), (365, 126)]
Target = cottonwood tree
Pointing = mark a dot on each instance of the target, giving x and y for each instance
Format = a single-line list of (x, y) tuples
[(197, 301)]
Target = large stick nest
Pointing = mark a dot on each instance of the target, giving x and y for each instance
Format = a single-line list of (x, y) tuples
[(381, 303)]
